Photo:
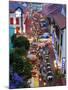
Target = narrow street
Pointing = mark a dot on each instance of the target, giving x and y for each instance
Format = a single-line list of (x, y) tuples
[(40, 77), (40, 62), (39, 30)]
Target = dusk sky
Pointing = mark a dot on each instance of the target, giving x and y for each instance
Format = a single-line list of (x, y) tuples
[(15, 4)]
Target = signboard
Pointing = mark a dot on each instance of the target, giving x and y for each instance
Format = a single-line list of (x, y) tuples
[(63, 64)]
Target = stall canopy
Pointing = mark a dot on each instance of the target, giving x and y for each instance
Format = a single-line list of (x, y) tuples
[(60, 20), (54, 10)]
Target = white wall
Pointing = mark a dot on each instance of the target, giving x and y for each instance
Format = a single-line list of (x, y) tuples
[(14, 15), (24, 24), (64, 44)]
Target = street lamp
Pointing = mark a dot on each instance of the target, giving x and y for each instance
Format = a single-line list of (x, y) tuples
[(55, 64), (44, 83), (40, 79)]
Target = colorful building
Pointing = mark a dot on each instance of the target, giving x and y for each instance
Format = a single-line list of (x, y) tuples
[(15, 22), (15, 19), (57, 14)]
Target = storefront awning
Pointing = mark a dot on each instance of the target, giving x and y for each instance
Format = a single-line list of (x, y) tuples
[(60, 20)]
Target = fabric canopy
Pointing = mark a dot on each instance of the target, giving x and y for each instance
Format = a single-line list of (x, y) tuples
[(60, 20)]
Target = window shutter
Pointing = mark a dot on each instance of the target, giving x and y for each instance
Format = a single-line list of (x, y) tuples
[(11, 20), (17, 20)]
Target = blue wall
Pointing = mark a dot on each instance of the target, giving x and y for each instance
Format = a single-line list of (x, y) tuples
[(11, 32)]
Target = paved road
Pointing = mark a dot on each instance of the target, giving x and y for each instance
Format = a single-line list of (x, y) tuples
[(41, 62), (51, 60)]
